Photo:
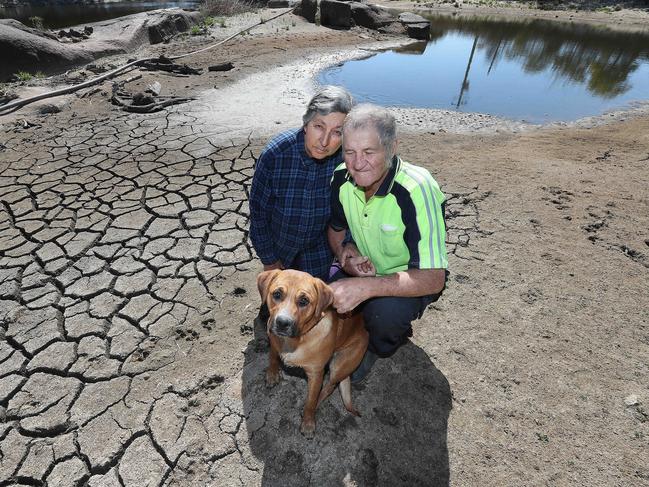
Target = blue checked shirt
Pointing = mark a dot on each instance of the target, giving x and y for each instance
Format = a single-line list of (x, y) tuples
[(290, 205)]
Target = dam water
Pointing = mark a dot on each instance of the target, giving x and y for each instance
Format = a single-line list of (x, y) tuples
[(532, 70)]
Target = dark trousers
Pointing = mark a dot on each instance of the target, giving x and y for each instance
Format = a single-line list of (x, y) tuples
[(388, 319)]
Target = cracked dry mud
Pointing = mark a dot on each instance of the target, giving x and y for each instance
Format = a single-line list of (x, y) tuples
[(116, 237), (120, 240)]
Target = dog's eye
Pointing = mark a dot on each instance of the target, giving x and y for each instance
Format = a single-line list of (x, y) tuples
[(303, 302), (277, 294)]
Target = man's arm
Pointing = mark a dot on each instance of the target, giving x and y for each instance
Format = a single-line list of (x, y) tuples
[(349, 293), (347, 254)]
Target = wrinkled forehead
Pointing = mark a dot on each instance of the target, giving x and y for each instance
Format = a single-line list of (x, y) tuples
[(361, 137), (292, 284), (366, 128)]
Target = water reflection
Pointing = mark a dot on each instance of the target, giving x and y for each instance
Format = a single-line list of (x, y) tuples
[(57, 15), (537, 70), (602, 59)]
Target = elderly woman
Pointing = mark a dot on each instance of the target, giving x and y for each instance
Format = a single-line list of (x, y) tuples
[(290, 194)]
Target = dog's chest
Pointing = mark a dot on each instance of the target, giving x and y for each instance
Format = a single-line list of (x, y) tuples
[(317, 339)]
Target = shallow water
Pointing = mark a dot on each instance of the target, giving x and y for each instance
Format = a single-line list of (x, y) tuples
[(537, 71), (65, 15)]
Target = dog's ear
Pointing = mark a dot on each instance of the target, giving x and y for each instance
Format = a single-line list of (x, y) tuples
[(263, 282), (325, 297)]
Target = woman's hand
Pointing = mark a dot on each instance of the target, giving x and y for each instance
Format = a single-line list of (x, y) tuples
[(274, 265)]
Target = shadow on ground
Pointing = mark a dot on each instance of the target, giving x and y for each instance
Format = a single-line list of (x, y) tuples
[(400, 440)]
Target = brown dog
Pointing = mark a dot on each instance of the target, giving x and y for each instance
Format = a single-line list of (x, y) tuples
[(305, 331)]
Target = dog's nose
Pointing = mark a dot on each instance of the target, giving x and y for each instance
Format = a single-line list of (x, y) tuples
[(284, 326)]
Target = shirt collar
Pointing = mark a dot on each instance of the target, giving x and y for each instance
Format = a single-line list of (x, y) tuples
[(386, 185)]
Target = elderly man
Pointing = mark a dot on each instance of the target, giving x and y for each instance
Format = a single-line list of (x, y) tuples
[(396, 264)]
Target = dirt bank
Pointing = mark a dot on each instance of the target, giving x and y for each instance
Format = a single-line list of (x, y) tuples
[(630, 16)]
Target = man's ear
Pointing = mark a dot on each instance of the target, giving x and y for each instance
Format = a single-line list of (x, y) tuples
[(325, 297), (263, 282)]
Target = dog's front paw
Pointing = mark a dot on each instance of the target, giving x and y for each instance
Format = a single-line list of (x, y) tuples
[(307, 428), (272, 378)]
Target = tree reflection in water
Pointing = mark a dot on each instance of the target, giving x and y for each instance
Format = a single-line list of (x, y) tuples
[(533, 70), (600, 58)]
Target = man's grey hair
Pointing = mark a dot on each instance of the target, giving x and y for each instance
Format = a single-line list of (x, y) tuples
[(379, 118), (328, 99)]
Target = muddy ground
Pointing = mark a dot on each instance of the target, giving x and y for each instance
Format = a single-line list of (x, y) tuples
[(127, 295)]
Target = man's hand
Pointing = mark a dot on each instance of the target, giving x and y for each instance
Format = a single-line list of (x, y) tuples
[(348, 293), (360, 266), (273, 266), (355, 264)]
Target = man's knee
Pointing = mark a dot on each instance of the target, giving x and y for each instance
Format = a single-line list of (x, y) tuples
[(388, 322)]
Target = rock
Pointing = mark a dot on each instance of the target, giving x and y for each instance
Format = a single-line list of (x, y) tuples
[(166, 26), (281, 3), (416, 26), (370, 16), (140, 99), (394, 28), (631, 400), (6, 97), (336, 14), (221, 67), (74, 33), (309, 9), (48, 108), (25, 49)]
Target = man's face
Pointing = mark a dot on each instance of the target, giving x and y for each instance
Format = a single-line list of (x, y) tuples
[(323, 135), (365, 158)]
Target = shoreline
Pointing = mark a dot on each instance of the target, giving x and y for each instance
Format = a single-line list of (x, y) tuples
[(294, 82), (627, 20)]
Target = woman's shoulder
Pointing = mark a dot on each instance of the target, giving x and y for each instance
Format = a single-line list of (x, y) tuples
[(284, 141)]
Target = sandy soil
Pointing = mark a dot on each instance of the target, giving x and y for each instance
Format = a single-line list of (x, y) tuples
[(539, 348)]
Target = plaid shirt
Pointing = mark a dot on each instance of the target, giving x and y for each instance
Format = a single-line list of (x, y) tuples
[(290, 205)]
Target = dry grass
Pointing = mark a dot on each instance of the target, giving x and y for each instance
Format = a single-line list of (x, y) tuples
[(226, 8)]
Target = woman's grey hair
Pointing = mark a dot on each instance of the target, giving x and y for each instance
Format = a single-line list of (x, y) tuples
[(328, 99), (379, 118)]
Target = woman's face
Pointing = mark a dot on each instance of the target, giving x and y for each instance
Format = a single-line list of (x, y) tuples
[(323, 135)]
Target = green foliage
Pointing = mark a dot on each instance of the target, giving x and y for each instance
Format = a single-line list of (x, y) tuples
[(212, 21), (23, 76), (37, 22), (196, 30)]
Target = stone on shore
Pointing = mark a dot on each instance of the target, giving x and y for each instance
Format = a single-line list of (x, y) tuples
[(416, 26), (32, 50)]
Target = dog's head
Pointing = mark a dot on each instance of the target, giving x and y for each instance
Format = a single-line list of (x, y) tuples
[(295, 299)]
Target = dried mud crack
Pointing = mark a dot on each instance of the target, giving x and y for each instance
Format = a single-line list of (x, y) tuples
[(117, 239)]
